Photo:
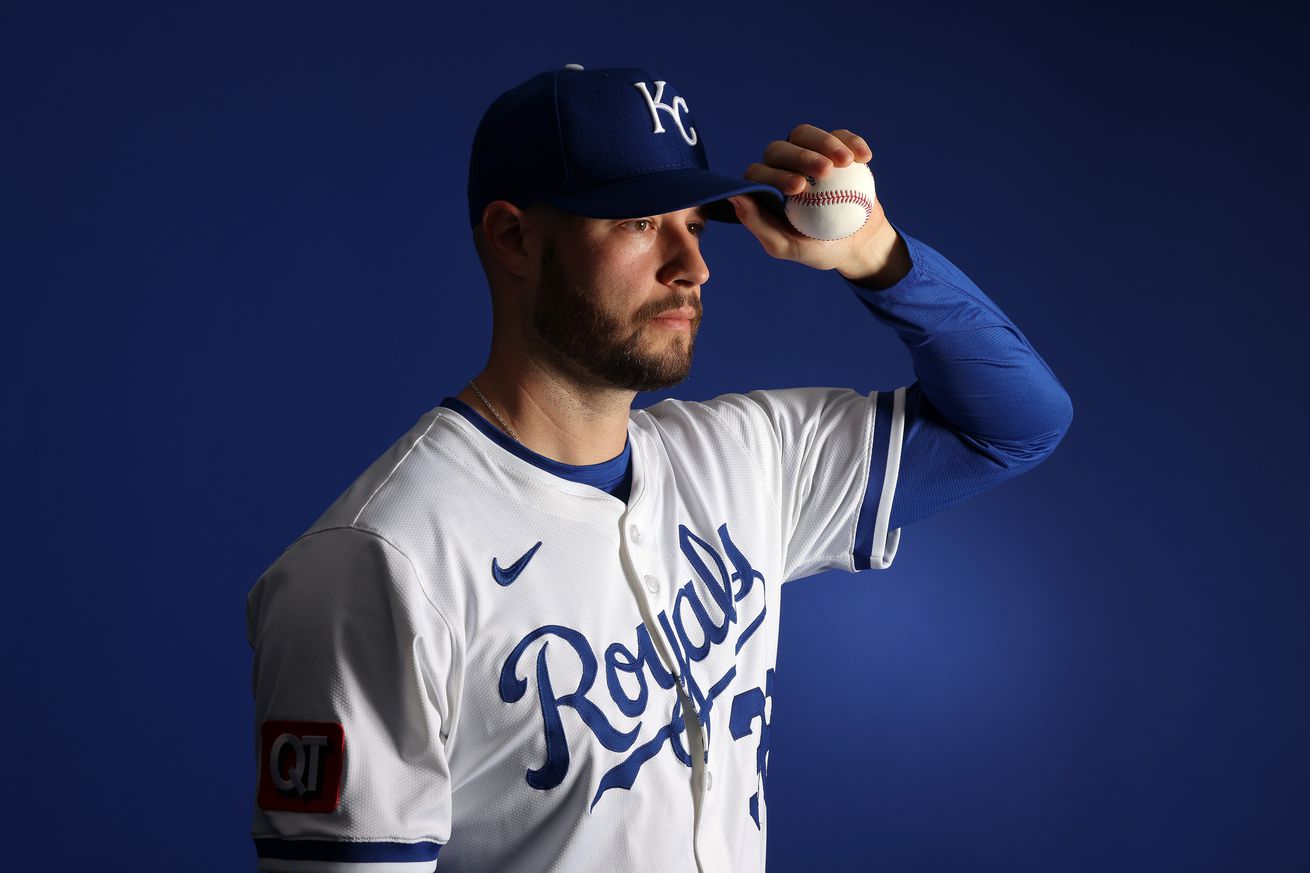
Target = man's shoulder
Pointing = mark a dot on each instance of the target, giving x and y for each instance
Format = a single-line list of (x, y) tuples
[(755, 397), (422, 474), (763, 425), (720, 430), (740, 412)]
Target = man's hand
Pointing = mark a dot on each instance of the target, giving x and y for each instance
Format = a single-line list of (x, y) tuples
[(874, 255)]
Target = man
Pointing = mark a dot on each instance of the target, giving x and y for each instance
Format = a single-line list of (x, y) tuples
[(539, 632)]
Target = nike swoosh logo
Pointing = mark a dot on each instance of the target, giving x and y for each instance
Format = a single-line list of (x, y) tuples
[(506, 575)]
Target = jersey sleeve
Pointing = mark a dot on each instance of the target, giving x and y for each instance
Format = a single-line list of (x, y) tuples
[(985, 407), (356, 679), (833, 458), (850, 469)]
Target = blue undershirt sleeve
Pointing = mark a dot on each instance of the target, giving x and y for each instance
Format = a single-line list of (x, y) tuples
[(985, 407)]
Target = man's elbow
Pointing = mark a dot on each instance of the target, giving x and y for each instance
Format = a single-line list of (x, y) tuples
[(1035, 426), (1051, 415)]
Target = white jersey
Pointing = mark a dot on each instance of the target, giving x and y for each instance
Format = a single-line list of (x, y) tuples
[(471, 664)]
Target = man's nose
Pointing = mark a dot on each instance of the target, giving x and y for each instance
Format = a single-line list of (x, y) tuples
[(685, 265)]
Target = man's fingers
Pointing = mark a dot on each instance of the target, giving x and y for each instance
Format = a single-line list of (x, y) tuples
[(789, 156), (817, 139), (856, 144), (773, 235), (808, 151), (785, 181)]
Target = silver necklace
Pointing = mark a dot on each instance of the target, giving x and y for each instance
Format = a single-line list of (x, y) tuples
[(503, 424)]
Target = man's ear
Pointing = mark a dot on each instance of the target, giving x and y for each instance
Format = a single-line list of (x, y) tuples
[(504, 235)]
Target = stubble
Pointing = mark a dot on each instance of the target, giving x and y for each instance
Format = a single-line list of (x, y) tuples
[(570, 320)]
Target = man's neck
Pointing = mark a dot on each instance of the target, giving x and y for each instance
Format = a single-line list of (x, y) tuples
[(553, 414)]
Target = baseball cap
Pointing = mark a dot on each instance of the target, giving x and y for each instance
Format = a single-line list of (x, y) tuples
[(604, 143)]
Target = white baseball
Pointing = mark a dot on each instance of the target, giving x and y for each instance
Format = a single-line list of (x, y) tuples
[(835, 206)]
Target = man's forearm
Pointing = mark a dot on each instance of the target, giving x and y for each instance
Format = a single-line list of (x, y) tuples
[(985, 407), (973, 364)]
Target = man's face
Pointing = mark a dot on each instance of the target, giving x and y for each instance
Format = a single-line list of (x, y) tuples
[(605, 283)]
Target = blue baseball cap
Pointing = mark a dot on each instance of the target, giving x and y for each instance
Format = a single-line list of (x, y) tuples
[(612, 143)]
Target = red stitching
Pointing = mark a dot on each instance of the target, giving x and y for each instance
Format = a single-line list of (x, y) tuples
[(829, 198)]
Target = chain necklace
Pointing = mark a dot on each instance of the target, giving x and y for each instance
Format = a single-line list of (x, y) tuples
[(487, 402)]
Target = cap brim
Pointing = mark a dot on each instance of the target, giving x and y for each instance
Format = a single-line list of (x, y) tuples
[(668, 191)]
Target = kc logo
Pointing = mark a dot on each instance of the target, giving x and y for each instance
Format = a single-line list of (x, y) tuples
[(300, 765), (675, 110)]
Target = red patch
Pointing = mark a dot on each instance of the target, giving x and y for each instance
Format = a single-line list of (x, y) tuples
[(300, 764)]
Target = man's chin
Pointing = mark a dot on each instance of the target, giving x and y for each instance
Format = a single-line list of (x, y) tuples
[(652, 374), (671, 365), (667, 376)]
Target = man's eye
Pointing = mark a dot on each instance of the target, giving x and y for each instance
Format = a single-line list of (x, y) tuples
[(697, 228), (641, 225)]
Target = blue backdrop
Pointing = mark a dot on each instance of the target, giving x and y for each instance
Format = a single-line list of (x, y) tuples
[(236, 266)]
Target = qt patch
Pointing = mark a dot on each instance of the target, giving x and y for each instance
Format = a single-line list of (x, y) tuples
[(300, 765)]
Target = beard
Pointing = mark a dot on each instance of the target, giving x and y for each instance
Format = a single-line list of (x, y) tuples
[(569, 320)]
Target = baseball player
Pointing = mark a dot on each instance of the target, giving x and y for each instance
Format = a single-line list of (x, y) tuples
[(539, 632)]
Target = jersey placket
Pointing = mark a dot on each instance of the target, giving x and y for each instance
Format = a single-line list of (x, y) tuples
[(654, 595)]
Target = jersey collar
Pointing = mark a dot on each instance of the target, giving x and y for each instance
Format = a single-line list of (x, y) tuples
[(613, 476)]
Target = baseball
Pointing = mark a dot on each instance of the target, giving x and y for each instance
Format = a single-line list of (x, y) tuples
[(835, 206)]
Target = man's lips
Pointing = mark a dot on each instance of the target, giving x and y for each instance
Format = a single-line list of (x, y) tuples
[(676, 319)]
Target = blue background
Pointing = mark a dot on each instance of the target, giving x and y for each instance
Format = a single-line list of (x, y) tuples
[(236, 267)]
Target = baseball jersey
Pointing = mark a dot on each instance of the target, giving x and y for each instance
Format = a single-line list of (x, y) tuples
[(477, 661), (521, 672)]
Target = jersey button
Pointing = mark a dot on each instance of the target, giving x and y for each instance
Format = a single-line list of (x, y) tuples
[(634, 533), (652, 584)]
